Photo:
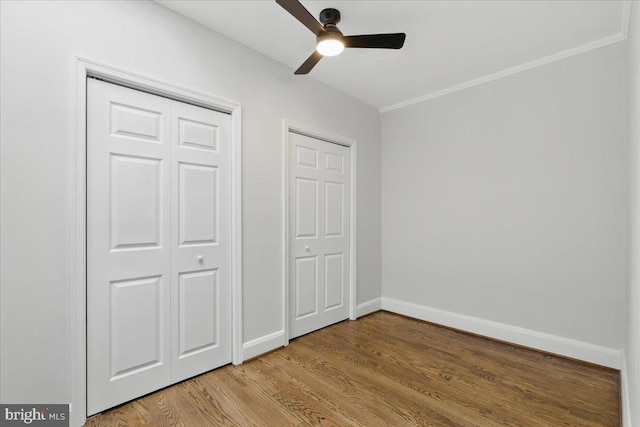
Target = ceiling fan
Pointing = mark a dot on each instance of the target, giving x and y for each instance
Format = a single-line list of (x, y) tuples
[(329, 39)]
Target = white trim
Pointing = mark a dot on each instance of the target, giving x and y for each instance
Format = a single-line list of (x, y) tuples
[(78, 411), (353, 232), (262, 345), (303, 129), (624, 386), (509, 71), (369, 307), (236, 234), (318, 133), (285, 231), (567, 347), (84, 69), (157, 87)]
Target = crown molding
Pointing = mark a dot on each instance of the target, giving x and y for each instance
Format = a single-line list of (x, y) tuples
[(509, 71), (625, 18)]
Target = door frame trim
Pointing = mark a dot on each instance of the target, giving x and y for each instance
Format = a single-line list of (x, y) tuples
[(86, 68), (303, 129)]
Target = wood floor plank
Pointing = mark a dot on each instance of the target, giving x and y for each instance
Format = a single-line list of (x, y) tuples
[(386, 370), (410, 387), (397, 398), (357, 400), (257, 408), (538, 390)]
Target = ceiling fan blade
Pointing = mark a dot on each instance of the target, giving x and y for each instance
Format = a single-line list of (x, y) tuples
[(309, 63), (298, 11), (376, 41)]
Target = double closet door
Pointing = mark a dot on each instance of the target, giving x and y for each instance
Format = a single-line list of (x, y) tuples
[(319, 233), (158, 242)]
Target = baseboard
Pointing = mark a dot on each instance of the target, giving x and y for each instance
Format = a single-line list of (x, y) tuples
[(624, 386), (262, 345), (75, 418), (369, 307), (574, 349)]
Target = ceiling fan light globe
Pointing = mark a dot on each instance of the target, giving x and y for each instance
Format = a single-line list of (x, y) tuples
[(330, 47)]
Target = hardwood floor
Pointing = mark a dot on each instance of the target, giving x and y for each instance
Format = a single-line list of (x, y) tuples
[(386, 370)]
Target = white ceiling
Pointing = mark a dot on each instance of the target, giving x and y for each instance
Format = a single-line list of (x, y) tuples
[(449, 44)]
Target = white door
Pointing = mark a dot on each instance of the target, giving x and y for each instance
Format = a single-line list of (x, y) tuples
[(158, 243), (319, 260), (201, 236)]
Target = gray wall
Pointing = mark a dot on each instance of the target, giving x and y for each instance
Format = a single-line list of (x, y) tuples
[(507, 201), (632, 351), (39, 41)]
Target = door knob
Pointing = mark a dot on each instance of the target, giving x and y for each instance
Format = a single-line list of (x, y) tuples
[(307, 248), (200, 258)]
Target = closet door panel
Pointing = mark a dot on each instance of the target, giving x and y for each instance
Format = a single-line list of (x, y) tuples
[(128, 244), (201, 240)]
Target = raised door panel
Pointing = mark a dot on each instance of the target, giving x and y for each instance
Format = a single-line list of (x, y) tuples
[(137, 123), (334, 209), (334, 281), (136, 325), (136, 202), (306, 208), (306, 157), (198, 194), (198, 312), (334, 162), (306, 286), (198, 135)]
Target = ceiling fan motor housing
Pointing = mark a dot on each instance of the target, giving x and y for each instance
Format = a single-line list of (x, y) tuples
[(330, 17)]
